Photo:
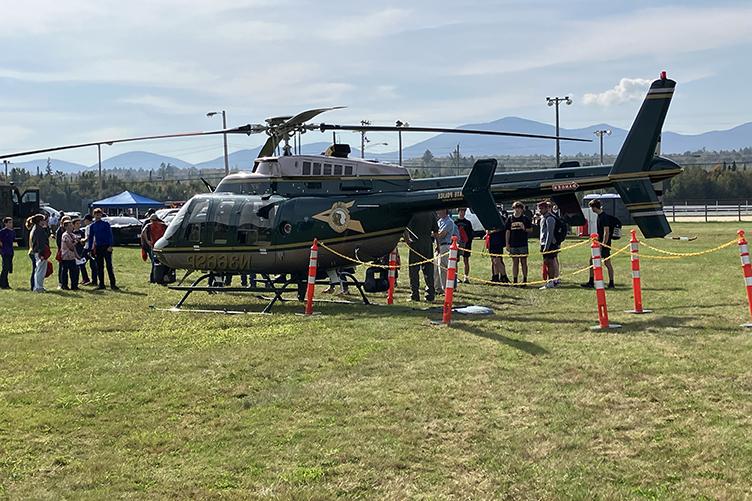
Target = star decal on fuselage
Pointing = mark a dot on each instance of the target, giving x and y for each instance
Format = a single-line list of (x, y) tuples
[(338, 218)]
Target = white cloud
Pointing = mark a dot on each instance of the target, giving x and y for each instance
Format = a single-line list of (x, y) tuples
[(628, 89), (160, 103), (366, 26), (664, 31)]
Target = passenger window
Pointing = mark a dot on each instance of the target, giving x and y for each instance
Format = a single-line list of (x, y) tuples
[(253, 228), (197, 221), (348, 170), (221, 220), (337, 170), (316, 169), (327, 169), (306, 168)]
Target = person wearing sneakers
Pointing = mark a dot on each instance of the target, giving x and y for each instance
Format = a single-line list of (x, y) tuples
[(519, 226), (465, 242), (605, 232), (100, 243), (548, 245)]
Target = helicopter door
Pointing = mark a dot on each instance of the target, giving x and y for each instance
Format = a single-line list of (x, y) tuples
[(196, 227), (223, 221), (253, 229)]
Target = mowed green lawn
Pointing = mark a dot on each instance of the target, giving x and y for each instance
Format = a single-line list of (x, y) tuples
[(106, 395)]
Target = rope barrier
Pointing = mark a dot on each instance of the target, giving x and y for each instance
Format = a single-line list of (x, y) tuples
[(677, 255), (377, 265), (491, 254)]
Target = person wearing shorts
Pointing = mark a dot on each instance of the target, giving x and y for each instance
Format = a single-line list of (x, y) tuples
[(548, 245), (519, 226), (496, 244), (465, 228), (604, 227)]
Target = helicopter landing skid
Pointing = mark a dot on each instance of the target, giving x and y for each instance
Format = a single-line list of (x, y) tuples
[(270, 286), (276, 287)]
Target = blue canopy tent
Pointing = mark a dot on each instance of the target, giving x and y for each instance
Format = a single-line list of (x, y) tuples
[(127, 200)]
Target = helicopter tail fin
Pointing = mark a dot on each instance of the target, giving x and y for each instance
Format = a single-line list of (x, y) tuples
[(477, 193), (637, 154)]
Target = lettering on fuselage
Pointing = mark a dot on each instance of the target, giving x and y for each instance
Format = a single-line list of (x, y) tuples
[(450, 195), (220, 262)]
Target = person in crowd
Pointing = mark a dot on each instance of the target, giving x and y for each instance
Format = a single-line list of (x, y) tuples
[(39, 250), (419, 236), (527, 212), (68, 258), (58, 241), (447, 230), (519, 226), (81, 251), (337, 284), (100, 242), (7, 237), (85, 226), (548, 245), (152, 232), (605, 228), (465, 228)]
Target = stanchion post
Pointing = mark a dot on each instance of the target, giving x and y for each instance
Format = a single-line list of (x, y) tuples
[(636, 281), (449, 286), (392, 276), (600, 291), (747, 269), (312, 266)]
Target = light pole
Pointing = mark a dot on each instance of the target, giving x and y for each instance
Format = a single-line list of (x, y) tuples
[(555, 101), (6, 170), (400, 123), (600, 134), (224, 127)]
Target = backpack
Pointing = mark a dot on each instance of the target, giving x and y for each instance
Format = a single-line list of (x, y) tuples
[(561, 229), (616, 231)]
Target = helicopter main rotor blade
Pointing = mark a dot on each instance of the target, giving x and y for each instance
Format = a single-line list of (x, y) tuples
[(391, 128), (305, 116), (245, 129)]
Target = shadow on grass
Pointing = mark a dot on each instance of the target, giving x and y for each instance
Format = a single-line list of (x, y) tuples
[(519, 344)]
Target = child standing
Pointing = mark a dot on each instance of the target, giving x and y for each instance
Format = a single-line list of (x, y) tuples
[(68, 257)]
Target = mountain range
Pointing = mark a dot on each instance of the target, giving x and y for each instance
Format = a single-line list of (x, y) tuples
[(443, 144)]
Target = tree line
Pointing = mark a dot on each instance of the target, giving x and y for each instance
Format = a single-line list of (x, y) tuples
[(707, 176)]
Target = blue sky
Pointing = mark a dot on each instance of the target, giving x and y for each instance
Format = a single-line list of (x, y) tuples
[(79, 70)]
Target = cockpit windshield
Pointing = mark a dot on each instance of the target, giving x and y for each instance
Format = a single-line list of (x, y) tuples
[(225, 220)]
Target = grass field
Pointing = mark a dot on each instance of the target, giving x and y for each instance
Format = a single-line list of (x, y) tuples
[(104, 394)]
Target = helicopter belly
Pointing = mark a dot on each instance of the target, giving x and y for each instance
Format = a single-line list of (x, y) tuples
[(283, 259)]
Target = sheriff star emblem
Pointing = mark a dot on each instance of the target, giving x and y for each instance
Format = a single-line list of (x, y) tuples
[(338, 218)]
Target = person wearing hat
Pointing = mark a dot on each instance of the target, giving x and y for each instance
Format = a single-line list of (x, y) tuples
[(548, 244), (100, 242), (39, 250), (152, 232)]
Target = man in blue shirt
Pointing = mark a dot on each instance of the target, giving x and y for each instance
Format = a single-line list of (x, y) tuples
[(100, 242), (7, 237)]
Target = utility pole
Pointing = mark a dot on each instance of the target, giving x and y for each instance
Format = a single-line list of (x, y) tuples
[(556, 101), (400, 123), (457, 158), (600, 134), (363, 138), (6, 170), (224, 127), (99, 160)]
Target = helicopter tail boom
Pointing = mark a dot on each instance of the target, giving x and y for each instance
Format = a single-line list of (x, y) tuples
[(477, 193)]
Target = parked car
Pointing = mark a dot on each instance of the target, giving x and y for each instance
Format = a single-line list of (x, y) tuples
[(125, 230), (165, 215)]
